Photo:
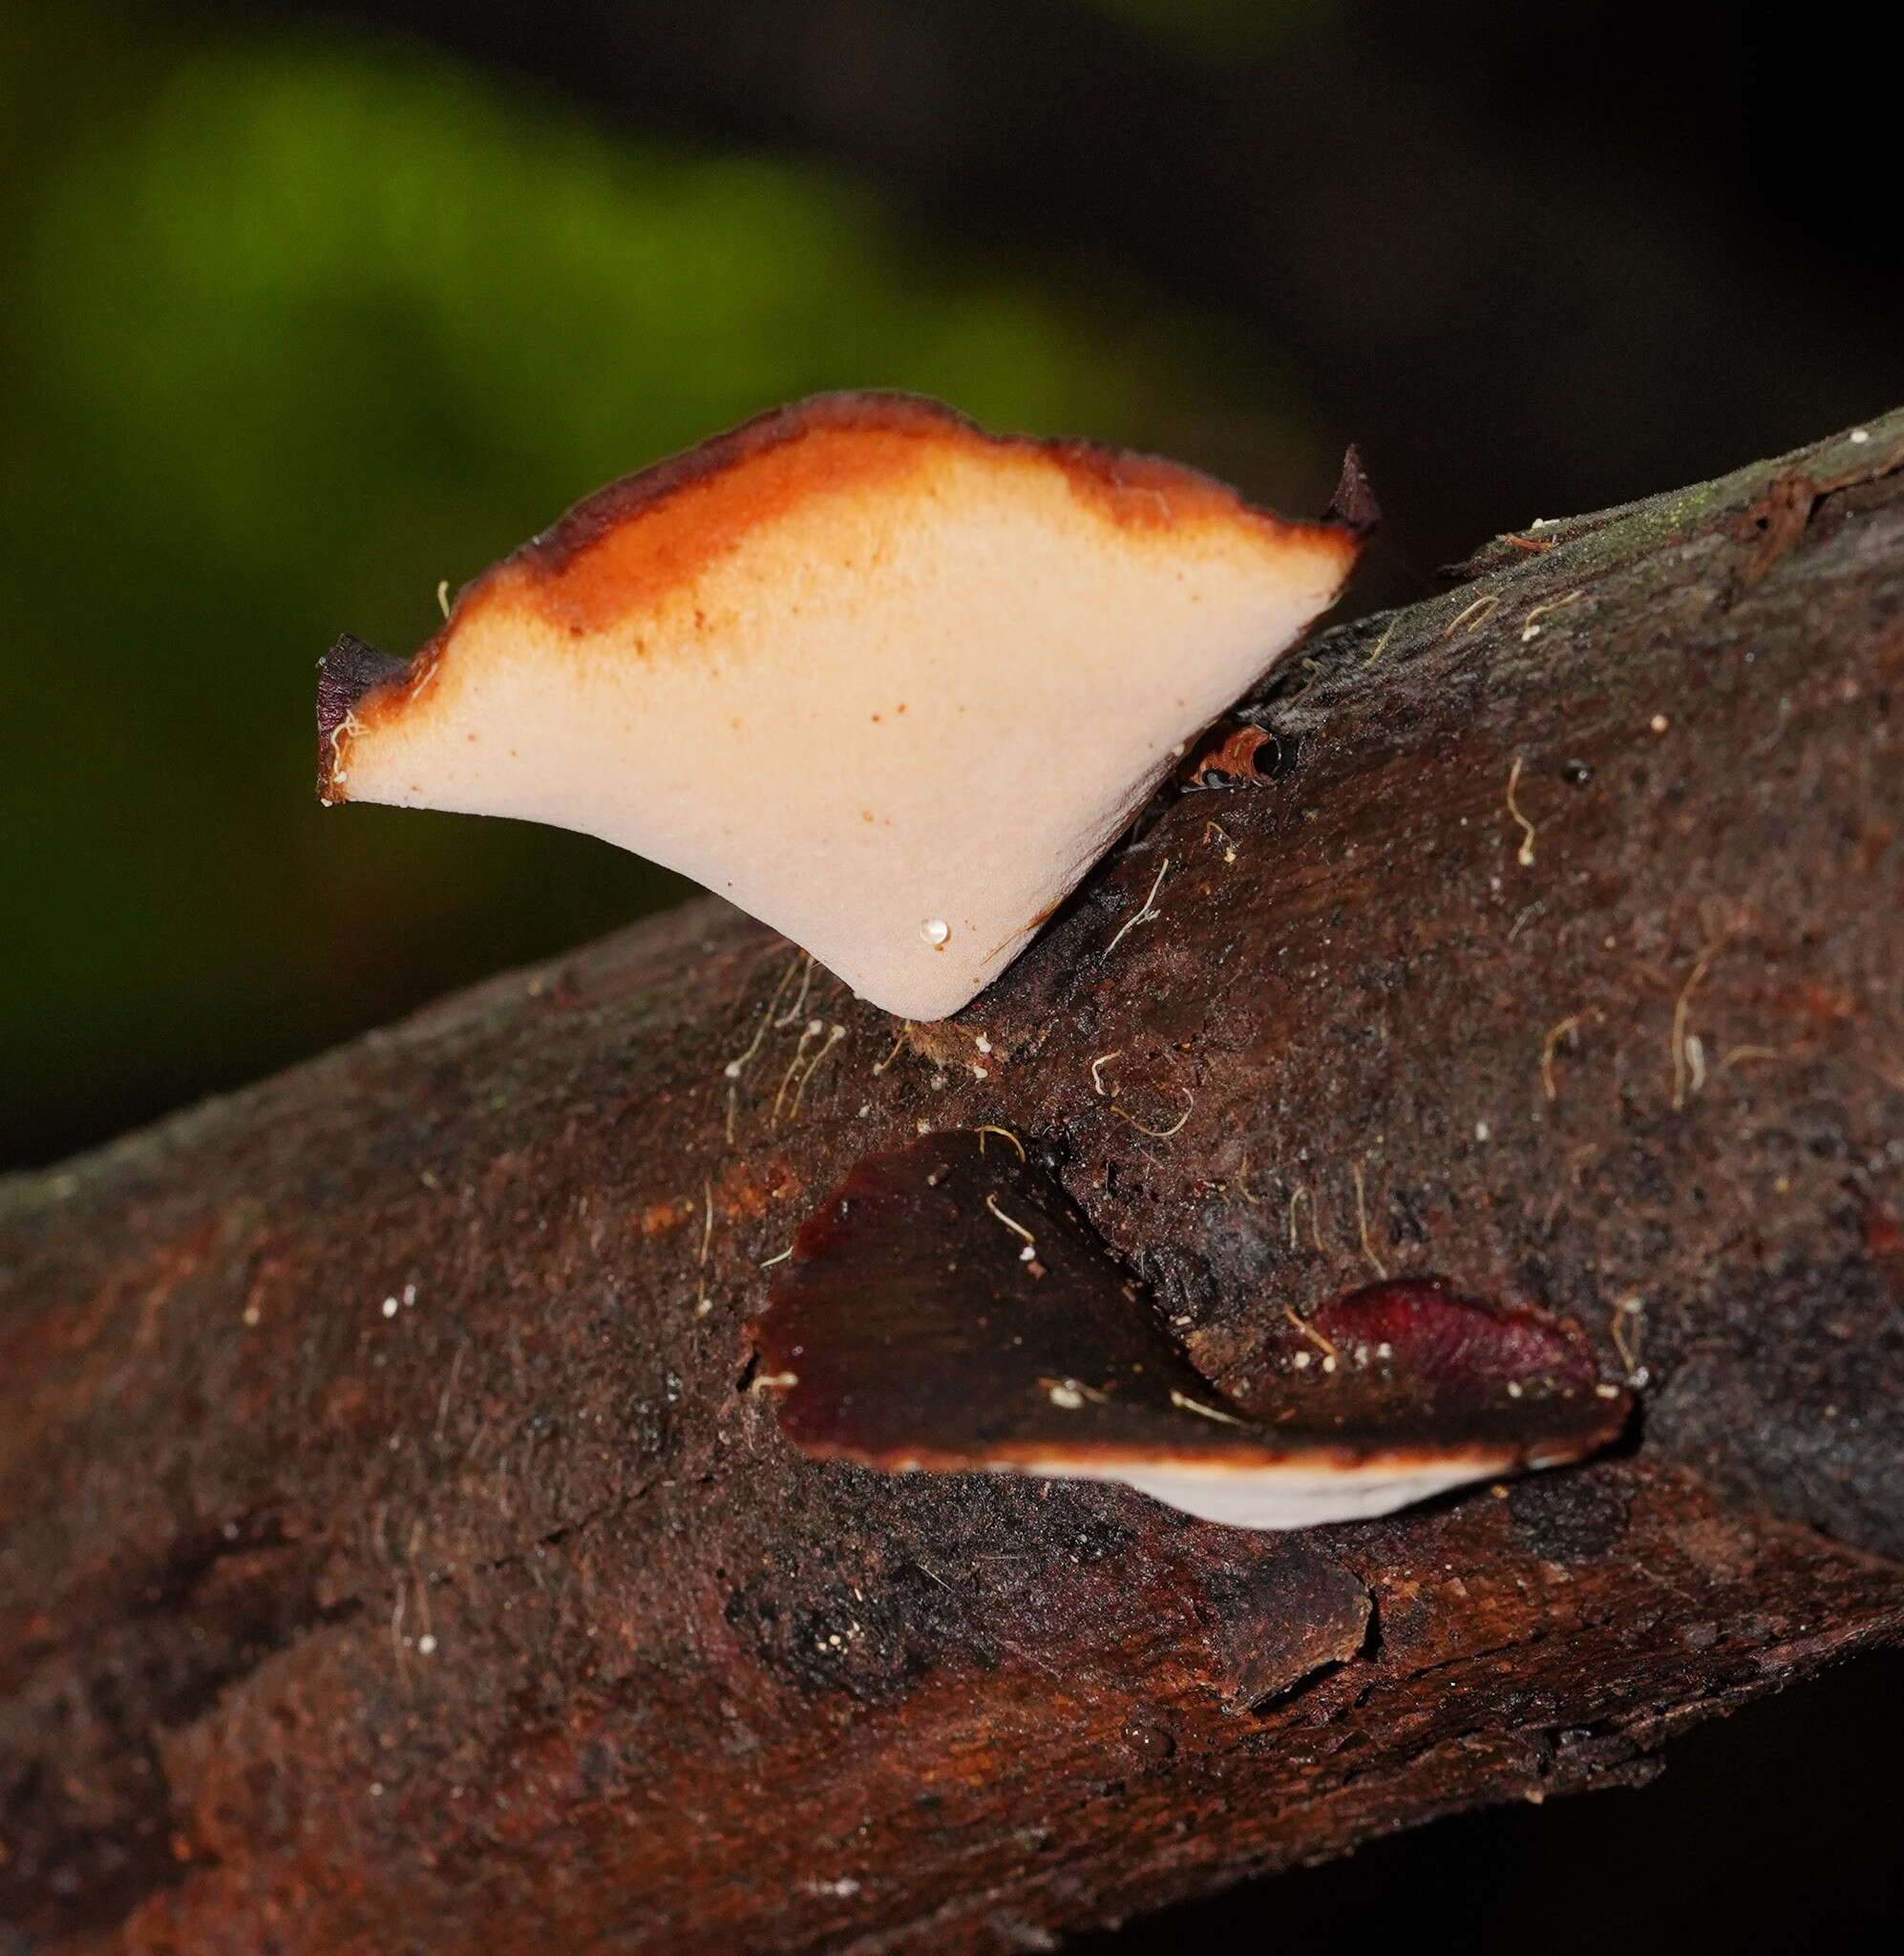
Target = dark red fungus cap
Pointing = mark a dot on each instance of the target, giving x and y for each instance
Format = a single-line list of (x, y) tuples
[(947, 1308)]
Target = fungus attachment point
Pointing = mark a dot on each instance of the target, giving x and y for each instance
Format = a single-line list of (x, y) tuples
[(924, 1340), (964, 640)]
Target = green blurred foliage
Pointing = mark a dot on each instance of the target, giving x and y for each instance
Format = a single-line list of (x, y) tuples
[(293, 330)]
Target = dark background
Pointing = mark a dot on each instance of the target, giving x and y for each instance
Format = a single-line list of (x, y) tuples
[(303, 309)]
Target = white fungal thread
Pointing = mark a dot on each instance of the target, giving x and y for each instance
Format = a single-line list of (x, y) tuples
[(1474, 614), (1524, 856), (1375, 1263), (1158, 1133), (1203, 1412), (807, 1034), (1324, 1344), (1382, 644), (1684, 1063), (703, 1304), (1628, 1331), (1739, 1055), (794, 1012), (1530, 630), (835, 1034), (1030, 1253), (1554, 1034), (1102, 1060), (448, 1393), (1146, 912), (349, 726), (740, 1063)]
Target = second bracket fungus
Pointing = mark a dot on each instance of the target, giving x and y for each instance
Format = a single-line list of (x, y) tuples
[(947, 1308), (888, 682)]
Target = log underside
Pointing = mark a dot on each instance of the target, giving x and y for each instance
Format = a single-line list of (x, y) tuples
[(399, 1554)]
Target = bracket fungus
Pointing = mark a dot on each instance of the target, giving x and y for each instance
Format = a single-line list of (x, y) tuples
[(888, 682), (948, 1309)]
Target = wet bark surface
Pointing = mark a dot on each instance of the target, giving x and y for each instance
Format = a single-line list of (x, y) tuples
[(400, 1552)]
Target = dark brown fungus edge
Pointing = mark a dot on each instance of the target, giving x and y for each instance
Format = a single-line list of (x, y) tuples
[(1353, 505), (347, 673)]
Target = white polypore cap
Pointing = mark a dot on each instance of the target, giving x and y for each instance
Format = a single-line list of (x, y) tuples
[(888, 683), (1284, 1494)]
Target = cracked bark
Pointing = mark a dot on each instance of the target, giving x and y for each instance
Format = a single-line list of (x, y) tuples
[(396, 1553)]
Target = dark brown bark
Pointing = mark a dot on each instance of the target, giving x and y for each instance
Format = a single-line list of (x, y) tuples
[(397, 1556)]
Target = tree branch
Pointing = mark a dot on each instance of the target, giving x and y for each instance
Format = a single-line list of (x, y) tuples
[(398, 1552)]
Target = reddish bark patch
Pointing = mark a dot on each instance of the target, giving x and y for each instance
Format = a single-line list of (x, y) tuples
[(1229, 755)]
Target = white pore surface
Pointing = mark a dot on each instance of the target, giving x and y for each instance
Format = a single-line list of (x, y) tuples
[(1283, 1497), (878, 714)]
